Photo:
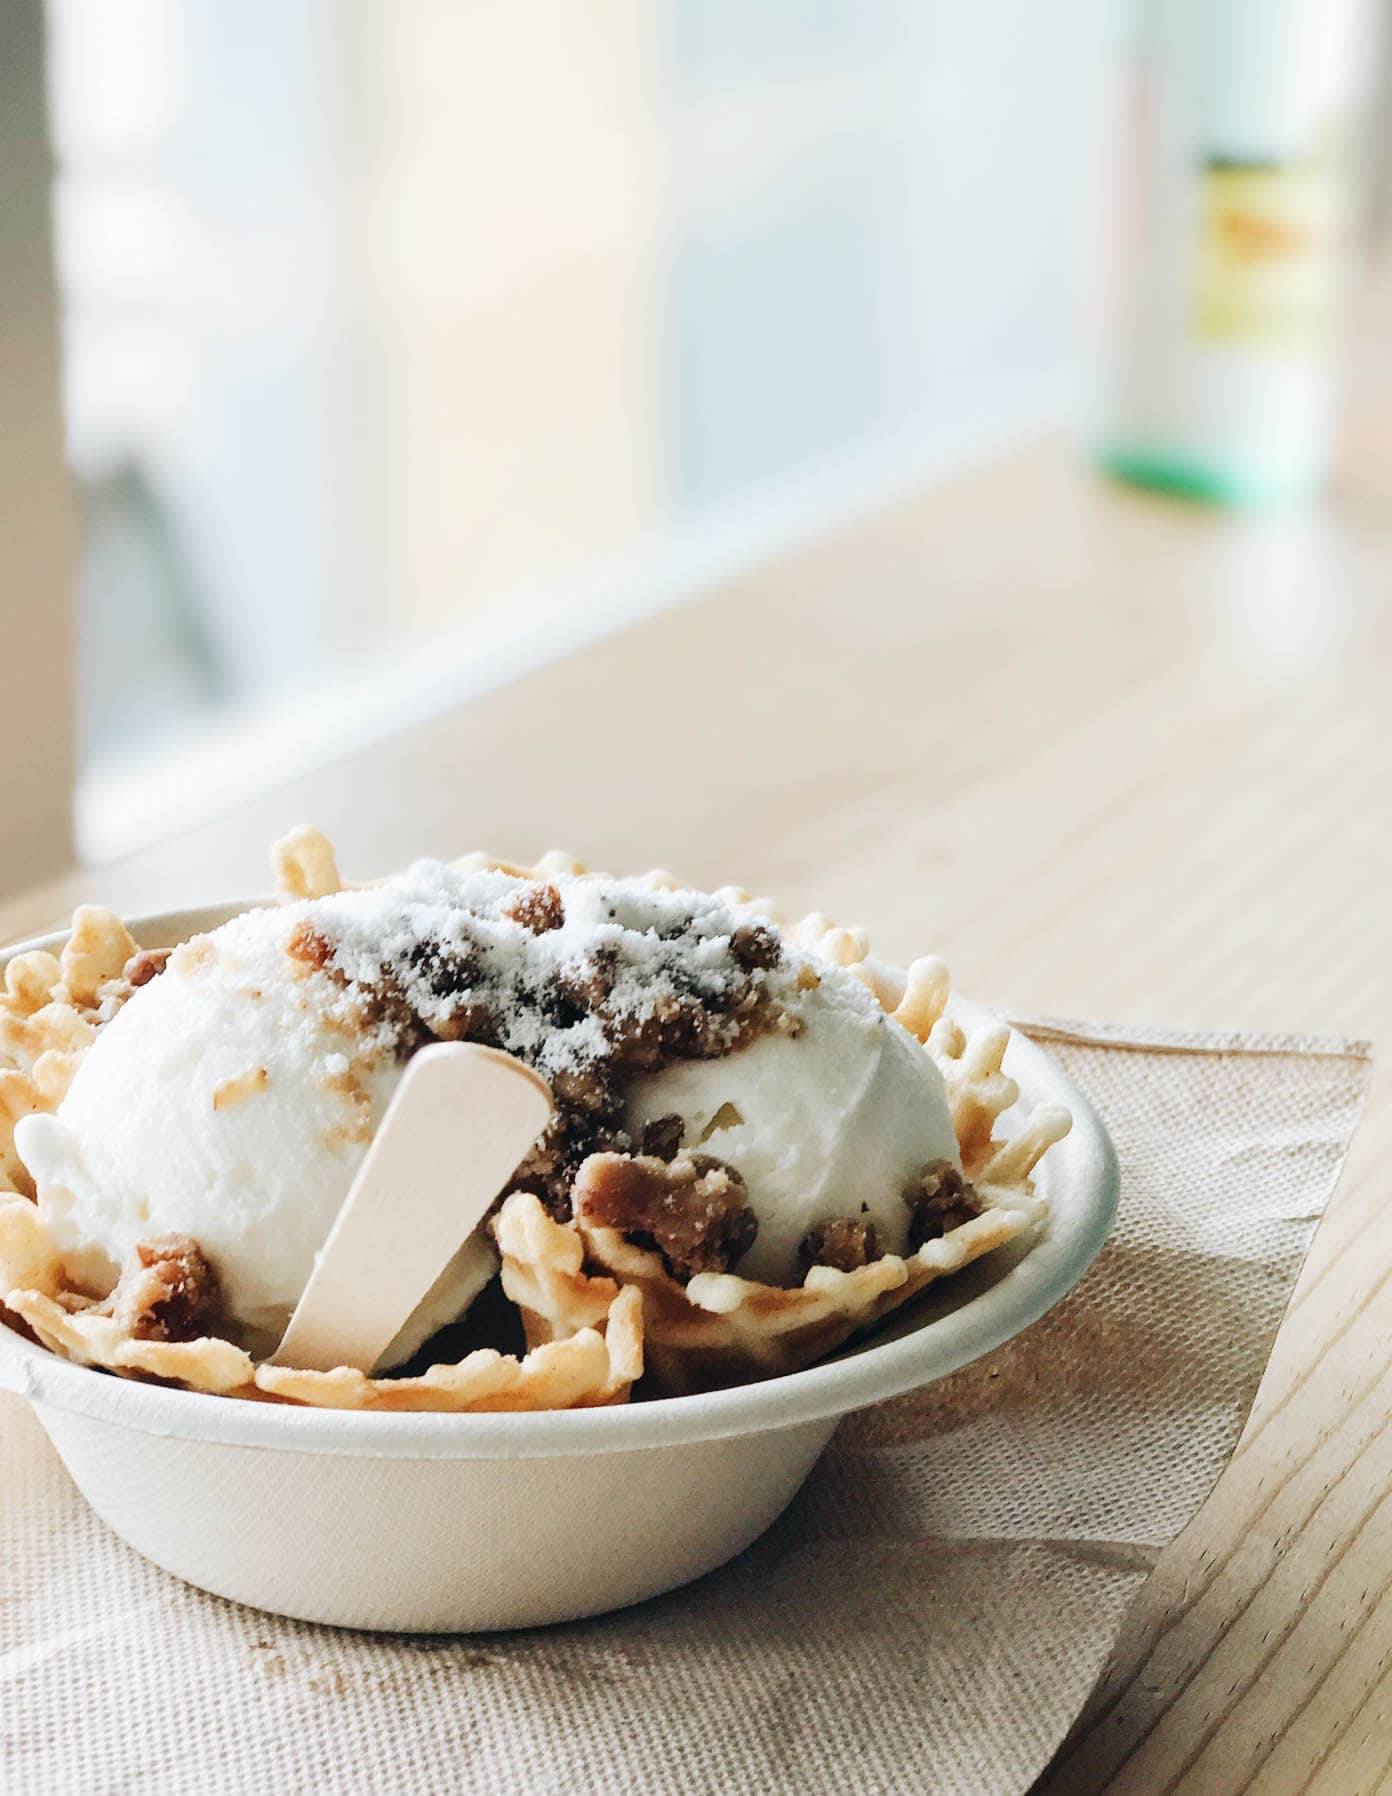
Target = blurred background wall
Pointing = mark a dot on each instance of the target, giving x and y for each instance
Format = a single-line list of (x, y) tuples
[(405, 341), (36, 625), (408, 342)]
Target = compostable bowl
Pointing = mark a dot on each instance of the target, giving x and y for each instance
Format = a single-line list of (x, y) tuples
[(451, 1523)]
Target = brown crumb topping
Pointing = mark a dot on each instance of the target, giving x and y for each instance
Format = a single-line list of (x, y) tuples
[(940, 1200), (568, 1141), (756, 945), (166, 1292), (588, 996), (145, 965), (309, 947), (536, 907), (846, 1242), (662, 1137), (691, 1209)]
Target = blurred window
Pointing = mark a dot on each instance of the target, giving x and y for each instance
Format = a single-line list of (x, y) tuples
[(410, 340)]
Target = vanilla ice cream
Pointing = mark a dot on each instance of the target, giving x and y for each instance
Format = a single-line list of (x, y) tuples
[(830, 1121), (231, 1099)]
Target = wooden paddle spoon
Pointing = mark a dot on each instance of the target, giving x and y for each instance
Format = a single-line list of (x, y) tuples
[(455, 1130)]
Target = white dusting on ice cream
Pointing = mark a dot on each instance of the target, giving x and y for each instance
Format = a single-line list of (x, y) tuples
[(139, 1148), (837, 1106), (441, 937)]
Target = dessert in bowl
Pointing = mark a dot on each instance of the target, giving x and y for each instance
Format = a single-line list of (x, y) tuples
[(763, 1144)]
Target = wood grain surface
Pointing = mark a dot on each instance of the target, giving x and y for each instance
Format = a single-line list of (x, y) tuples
[(1113, 757)]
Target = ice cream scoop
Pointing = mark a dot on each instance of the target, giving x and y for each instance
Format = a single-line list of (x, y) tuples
[(832, 1118), (231, 1099)]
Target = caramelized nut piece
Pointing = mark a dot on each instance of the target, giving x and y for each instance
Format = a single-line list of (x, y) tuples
[(939, 1200), (755, 945), (536, 907), (691, 1209), (143, 966), (845, 1243), (662, 1137), (167, 1291), (309, 947)]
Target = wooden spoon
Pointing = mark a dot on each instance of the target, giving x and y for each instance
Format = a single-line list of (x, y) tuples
[(455, 1130)]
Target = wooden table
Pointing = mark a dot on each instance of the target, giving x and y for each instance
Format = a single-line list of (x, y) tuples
[(1113, 757)]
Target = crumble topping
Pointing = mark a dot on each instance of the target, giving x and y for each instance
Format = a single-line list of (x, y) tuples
[(588, 980), (940, 1200), (537, 908), (662, 1137), (692, 1209), (144, 965), (845, 1243), (167, 1291)]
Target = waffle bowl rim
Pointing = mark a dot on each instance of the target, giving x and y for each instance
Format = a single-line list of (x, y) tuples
[(1080, 1175)]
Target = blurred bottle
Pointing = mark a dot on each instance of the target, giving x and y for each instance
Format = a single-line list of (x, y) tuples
[(1234, 233)]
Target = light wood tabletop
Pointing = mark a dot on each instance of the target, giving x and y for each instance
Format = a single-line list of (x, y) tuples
[(1113, 757)]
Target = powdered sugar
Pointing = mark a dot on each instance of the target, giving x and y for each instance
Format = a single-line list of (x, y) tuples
[(444, 943)]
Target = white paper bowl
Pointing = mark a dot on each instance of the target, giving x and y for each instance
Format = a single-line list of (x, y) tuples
[(453, 1523)]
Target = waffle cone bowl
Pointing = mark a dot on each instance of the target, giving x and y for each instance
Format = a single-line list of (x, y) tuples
[(720, 1329), (597, 1363), (446, 1497)]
